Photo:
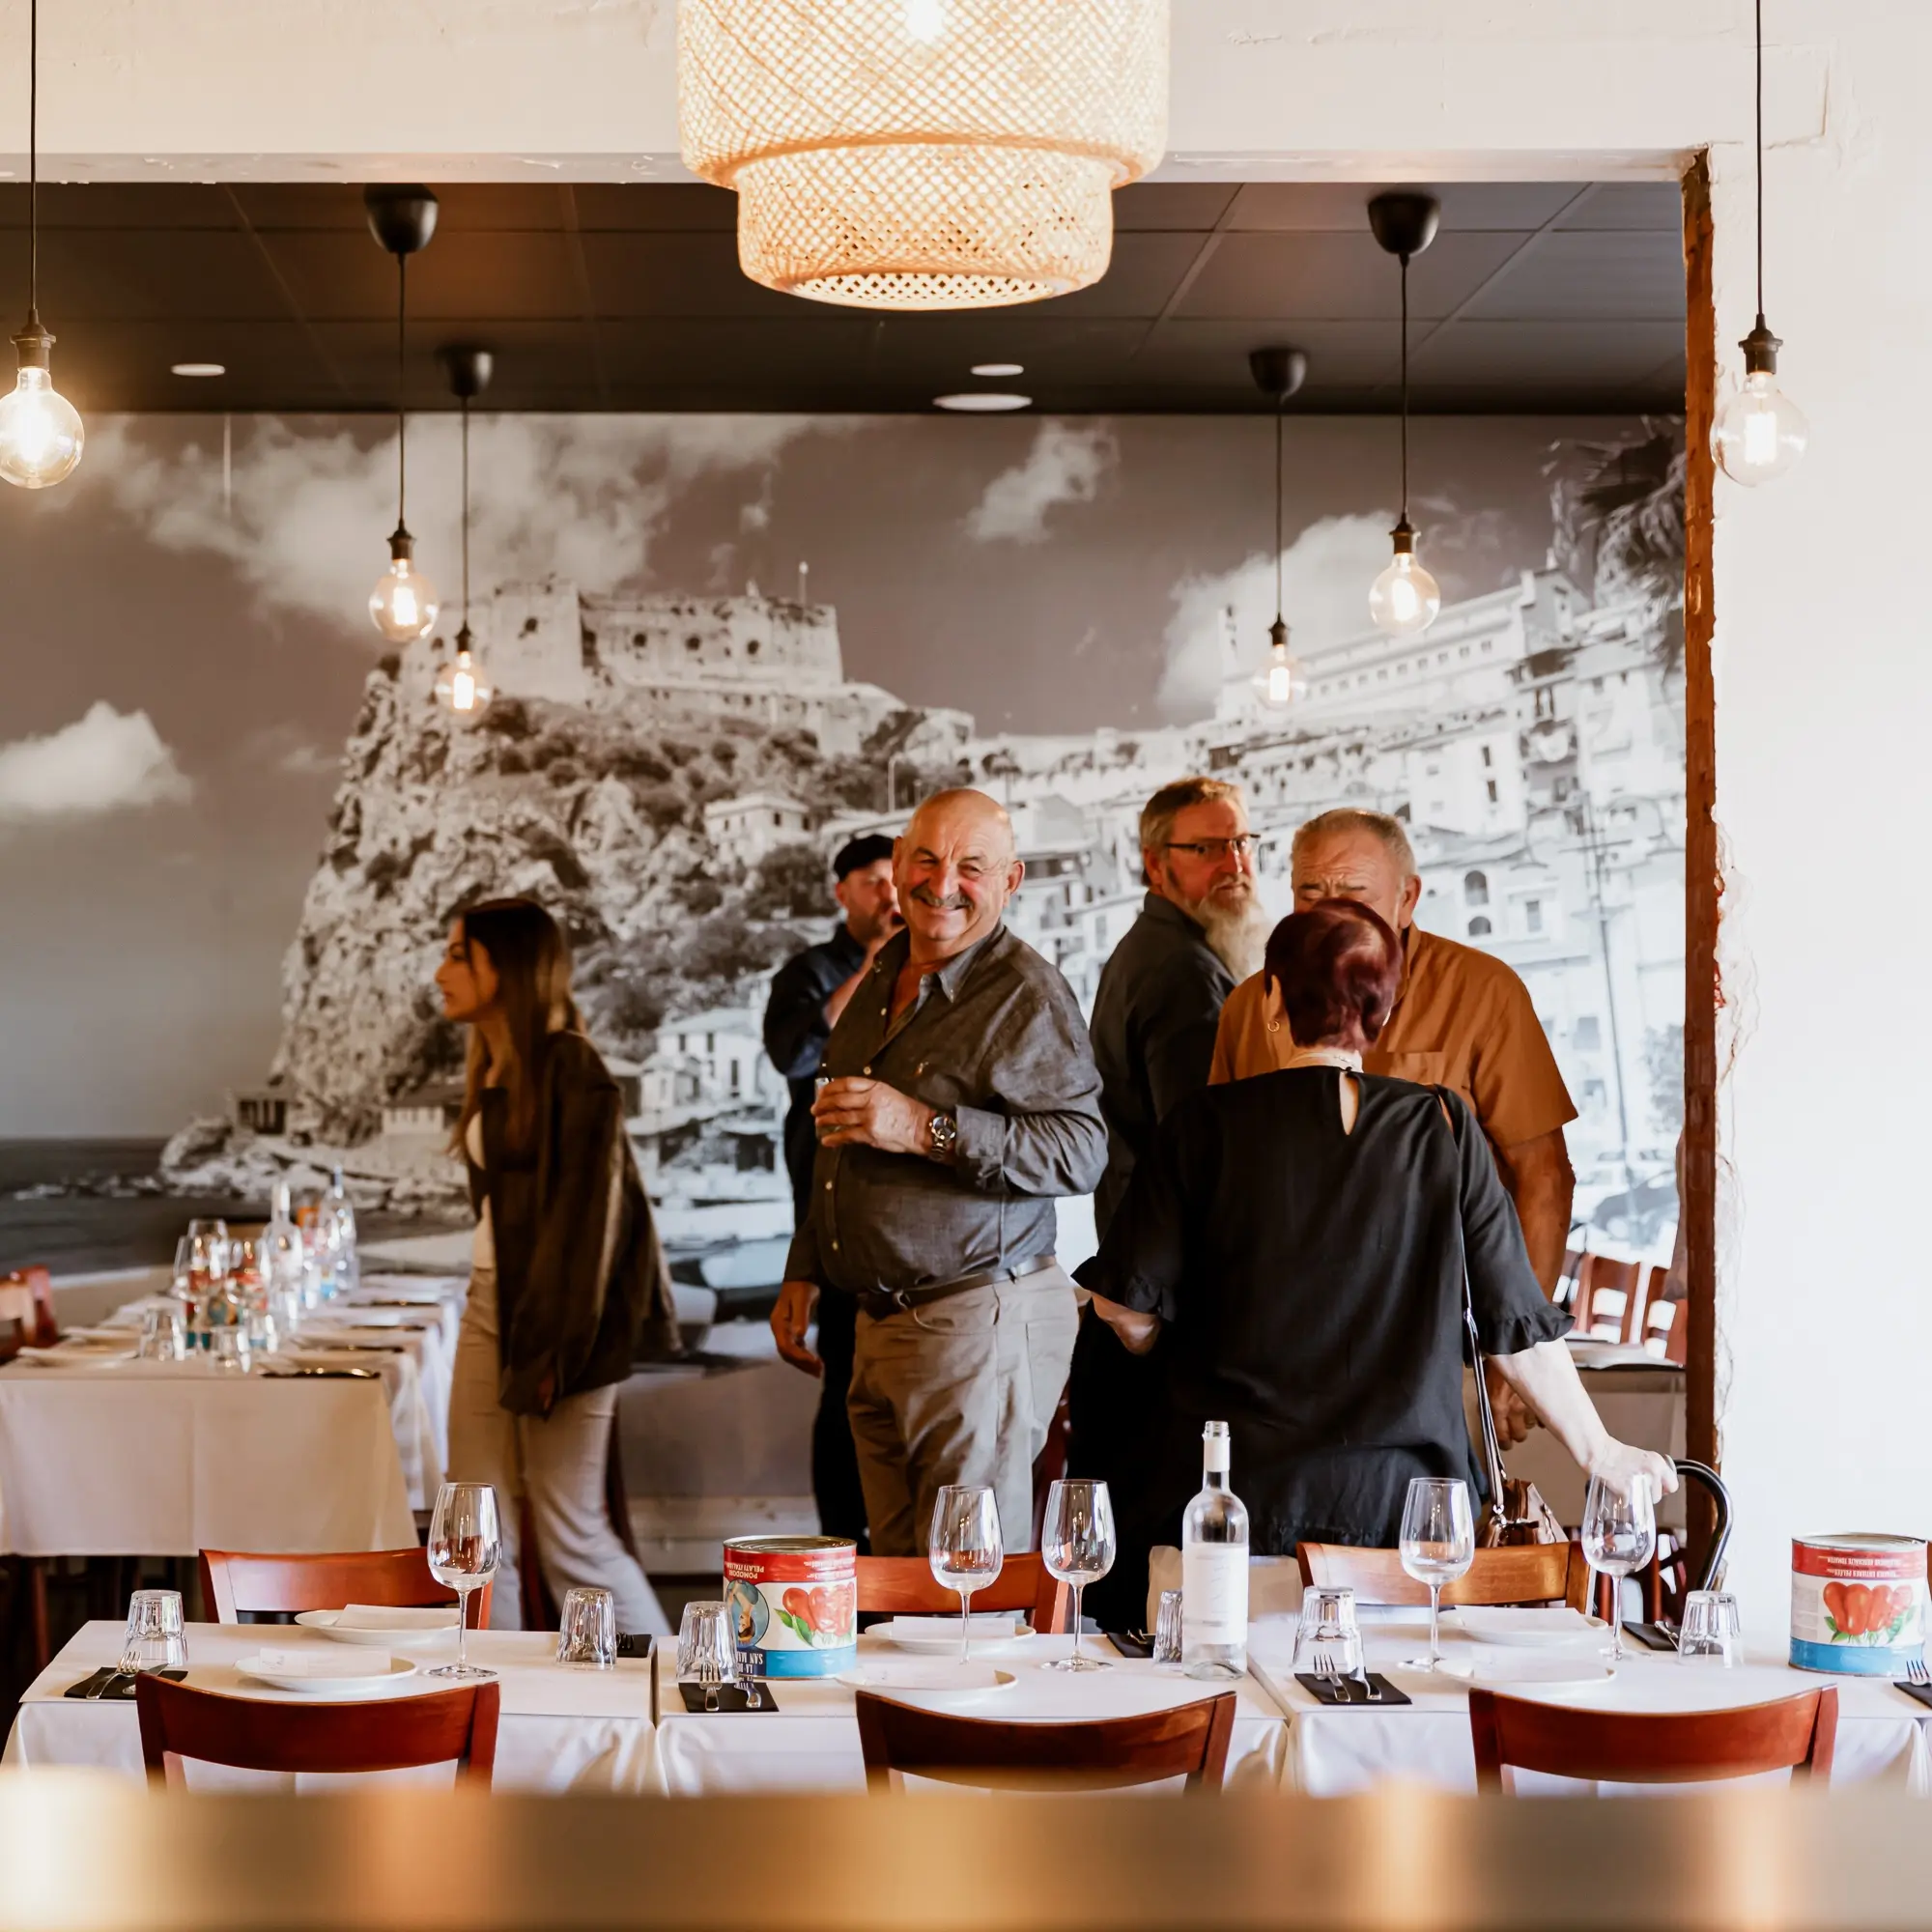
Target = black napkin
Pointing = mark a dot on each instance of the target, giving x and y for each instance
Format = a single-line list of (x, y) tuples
[(110, 1685), (730, 1698), (1922, 1692), (1132, 1643), (1350, 1689), (630, 1645)]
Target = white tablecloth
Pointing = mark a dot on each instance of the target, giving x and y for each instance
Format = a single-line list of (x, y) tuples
[(1882, 1733), (561, 1729), (811, 1742)]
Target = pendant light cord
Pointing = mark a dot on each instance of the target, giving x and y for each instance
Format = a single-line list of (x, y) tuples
[(466, 516), (402, 444), (1404, 391), (1759, 17), (1277, 508), (33, 163)]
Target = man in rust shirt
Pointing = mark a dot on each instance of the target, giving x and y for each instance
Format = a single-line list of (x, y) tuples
[(1463, 1020)]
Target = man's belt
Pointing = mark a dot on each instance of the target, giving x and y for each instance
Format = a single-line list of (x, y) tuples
[(884, 1301)]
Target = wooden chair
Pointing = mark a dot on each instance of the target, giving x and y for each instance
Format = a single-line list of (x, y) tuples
[(1565, 1290), (254, 1734), (1531, 1572), (1190, 1741), (1604, 1291), (1651, 1747), (238, 1588), (27, 1304), (1660, 1316), (905, 1587)]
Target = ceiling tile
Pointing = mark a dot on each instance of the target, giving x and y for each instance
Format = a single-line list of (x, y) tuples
[(1652, 205), (1339, 276), (1606, 274)]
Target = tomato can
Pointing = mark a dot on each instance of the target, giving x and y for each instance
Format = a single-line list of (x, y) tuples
[(795, 1600), (1857, 1604)]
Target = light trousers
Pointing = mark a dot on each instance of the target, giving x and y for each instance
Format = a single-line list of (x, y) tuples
[(961, 1391), (558, 1461)]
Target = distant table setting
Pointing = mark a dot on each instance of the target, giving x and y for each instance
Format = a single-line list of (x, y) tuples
[(109, 1447)]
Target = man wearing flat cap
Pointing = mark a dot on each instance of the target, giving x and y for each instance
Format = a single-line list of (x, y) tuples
[(808, 995)]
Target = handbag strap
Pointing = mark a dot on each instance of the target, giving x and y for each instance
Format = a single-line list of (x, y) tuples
[(1493, 1454)]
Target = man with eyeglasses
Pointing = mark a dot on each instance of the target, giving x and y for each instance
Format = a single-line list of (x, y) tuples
[(1201, 927)]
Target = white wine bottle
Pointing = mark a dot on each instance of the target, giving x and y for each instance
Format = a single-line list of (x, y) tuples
[(1214, 1569)]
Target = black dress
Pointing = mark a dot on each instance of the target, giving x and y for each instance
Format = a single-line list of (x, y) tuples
[(1310, 1282)]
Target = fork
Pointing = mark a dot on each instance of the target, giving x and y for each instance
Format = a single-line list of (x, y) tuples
[(1326, 1672), (1915, 1672)]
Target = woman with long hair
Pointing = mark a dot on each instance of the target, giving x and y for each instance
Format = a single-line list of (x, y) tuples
[(566, 1273)]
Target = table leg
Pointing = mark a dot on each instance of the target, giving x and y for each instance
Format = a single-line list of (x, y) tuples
[(37, 1603)]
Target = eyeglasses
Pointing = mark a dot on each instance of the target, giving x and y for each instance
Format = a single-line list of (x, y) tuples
[(1242, 847)]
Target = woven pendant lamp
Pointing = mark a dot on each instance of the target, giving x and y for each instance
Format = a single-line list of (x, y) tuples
[(924, 153)]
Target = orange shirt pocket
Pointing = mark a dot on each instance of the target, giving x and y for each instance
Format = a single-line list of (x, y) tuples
[(1425, 1069)]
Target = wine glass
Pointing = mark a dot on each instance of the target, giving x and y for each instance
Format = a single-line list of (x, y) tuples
[(464, 1547), (206, 1249), (1439, 1544), (1078, 1545), (1619, 1535), (964, 1546)]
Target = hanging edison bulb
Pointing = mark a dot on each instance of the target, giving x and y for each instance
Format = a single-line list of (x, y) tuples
[(460, 684), (1282, 683), (403, 605), (1405, 599), (1760, 432), (41, 433)]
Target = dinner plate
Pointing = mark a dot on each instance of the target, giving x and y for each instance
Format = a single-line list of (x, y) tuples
[(926, 1642), (1539, 1629), (892, 1680), (326, 1686), (402, 1636), (1501, 1669)]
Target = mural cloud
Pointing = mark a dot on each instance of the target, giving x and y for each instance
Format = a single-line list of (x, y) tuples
[(1067, 464), (104, 761)]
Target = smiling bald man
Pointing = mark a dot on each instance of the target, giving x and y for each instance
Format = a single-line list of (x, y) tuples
[(962, 1098)]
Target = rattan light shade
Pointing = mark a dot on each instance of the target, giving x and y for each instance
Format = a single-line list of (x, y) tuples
[(924, 153)]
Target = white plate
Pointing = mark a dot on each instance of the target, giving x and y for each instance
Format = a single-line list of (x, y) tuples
[(1539, 1628), (1499, 1670), (930, 1643), (407, 1636), (326, 1686), (911, 1680)]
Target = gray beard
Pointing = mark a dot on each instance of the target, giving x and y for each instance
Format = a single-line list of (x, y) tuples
[(1237, 935)]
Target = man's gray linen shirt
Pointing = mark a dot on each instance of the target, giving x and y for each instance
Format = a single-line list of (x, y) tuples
[(995, 1038)]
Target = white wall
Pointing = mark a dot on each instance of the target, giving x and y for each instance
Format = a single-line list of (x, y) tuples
[(1824, 668)]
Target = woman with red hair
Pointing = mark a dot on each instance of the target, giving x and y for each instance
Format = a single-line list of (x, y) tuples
[(1298, 1245)]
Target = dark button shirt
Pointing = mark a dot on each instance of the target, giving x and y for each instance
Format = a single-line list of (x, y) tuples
[(995, 1037), (1312, 1284), (1154, 1016), (796, 1031)]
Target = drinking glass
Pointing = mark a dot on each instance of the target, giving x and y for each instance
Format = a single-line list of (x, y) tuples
[(1328, 1640), (1439, 1544), (1712, 1626), (964, 1546), (160, 1336), (1077, 1544), (707, 1650), (464, 1547), (587, 1632), (1619, 1534), (155, 1637), (206, 1249), (1166, 1629), (231, 1348)]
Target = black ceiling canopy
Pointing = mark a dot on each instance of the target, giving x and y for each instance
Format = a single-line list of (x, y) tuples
[(1536, 296)]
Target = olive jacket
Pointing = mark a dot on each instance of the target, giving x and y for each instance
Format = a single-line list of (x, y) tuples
[(581, 1286)]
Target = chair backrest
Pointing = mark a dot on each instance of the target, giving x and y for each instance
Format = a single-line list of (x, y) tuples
[(1677, 1343), (1530, 1573), (236, 1583), (1190, 1741), (256, 1734), (1652, 1747), (1604, 1291), (905, 1587), (27, 1301), (1660, 1316), (1565, 1290)]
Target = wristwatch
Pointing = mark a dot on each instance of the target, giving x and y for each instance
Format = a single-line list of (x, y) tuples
[(943, 1136)]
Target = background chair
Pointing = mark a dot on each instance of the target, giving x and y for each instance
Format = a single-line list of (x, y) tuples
[(253, 1734), (241, 1587), (1531, 1572), (27, 1309), (905, 1587), (1605, 1291), (1190, 1742), (1651, 1747)]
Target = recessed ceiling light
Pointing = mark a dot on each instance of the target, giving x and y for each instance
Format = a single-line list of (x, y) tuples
[(984, 402), (201, 368), (999, 368)]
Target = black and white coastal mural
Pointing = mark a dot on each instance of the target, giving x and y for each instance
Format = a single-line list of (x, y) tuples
[(231, 832)]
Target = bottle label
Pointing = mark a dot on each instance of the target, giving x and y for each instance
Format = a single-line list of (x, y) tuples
[(1215, 1592)]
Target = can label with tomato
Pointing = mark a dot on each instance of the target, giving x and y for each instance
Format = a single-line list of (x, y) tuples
[(795, 1600), (1857, 1604)]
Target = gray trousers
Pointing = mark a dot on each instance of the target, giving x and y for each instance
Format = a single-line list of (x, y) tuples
[(961, 1391), (558, 1461)]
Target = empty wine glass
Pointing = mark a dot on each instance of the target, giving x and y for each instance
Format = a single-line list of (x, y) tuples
[(1439, 1544), (964, 1546), (1077, 1545), (207, 1250), (464, 1547), (1619, 1535)]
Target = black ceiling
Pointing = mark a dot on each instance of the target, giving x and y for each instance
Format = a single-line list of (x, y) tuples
[(1535, 297)]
